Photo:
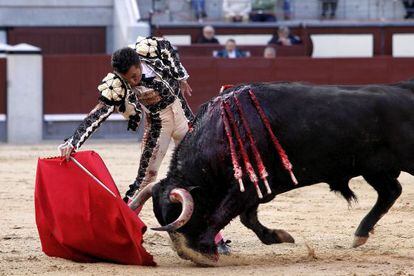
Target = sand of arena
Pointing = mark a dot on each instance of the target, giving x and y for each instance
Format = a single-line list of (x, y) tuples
[(321, 222)]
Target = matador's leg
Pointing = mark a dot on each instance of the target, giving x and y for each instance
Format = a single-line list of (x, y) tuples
[(156, 141)]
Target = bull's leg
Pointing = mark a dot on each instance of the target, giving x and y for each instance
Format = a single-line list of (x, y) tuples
[(388, 189), (267, 236), (228, 209)]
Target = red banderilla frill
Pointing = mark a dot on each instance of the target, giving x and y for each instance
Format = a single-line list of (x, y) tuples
[(238, 173), (261, 167), (224, 87), (283, 156), (245, 156)]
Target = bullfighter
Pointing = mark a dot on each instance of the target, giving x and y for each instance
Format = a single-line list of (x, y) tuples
[(148, 78)]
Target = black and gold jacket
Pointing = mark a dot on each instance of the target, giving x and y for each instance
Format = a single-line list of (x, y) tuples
[(117, 95)]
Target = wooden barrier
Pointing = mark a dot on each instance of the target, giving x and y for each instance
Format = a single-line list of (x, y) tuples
[(206, 50), (61, 40), (381, 31), (70, 81), (3, 86), (195, 31)]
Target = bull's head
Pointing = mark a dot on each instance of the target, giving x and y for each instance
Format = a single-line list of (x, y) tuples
[(177, 211)]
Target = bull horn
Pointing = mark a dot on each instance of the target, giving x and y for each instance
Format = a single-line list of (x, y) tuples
[(140, 197), (185, 198)]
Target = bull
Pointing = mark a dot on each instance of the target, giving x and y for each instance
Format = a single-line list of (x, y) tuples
[(330, 134)]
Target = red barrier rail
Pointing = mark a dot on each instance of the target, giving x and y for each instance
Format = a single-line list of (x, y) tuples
[(206, 50), (61, 40), (381, 31), (70, 81)]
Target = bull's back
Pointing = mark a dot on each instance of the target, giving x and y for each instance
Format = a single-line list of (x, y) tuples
[(342, 130), (328, 132)]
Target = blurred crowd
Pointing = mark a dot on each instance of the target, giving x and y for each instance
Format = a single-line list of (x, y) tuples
[(244, 10), (265, 10), (409, 9), (256, 10), (282, 37)]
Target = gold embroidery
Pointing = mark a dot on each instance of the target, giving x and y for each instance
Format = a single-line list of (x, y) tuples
[(147, 96)]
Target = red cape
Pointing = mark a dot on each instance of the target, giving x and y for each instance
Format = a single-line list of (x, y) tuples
[(79, 220)]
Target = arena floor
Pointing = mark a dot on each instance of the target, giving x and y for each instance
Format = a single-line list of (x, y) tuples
[(321, 222)]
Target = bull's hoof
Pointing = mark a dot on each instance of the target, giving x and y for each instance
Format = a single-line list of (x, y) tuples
[(277, 236), (284, 236), (358, 241)]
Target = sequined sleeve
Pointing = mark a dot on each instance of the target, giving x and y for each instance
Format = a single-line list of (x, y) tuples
[(90, 124), (170, 56)]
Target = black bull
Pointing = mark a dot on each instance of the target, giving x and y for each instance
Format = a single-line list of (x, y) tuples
[(330, 134)]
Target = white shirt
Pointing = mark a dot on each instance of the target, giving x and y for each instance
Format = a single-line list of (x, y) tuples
[(147, 71), (232, 54)]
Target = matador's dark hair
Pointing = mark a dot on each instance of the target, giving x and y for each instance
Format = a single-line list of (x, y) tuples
[(123, 59)]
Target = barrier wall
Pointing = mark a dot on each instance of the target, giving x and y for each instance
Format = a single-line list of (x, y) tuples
[(205, 50), (381, 31), (70, 82), (70, 92), (61, 40), (3, 82), (207, 75), (3, 98)]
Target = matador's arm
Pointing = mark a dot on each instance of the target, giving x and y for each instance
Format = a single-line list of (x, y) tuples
[(171, 55), (91, 123)]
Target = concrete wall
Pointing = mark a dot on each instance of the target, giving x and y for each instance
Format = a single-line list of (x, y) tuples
[(56, 12), (122, 26), (126, 27), (3, 36), (3, 128), (24, 95)]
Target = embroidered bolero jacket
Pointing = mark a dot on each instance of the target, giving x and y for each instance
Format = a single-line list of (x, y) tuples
[(115, 94)]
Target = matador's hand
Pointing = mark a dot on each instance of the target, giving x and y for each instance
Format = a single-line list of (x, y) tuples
[(66, 149), (185, 88)]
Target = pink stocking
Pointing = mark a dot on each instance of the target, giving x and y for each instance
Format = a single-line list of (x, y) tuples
[(218, 238)]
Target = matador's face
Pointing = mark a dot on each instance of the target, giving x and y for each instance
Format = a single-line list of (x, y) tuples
[(133, 75)]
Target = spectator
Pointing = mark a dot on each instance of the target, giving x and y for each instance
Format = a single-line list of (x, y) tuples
[(236, 10), (199, 8), (263, 11), (409, 8), (231, 51), (287, 13), (207, 37), (329, 4), (269, 52), (284, 37)]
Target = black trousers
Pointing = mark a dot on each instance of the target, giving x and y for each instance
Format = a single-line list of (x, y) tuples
[(329, 4), (409, 8)]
